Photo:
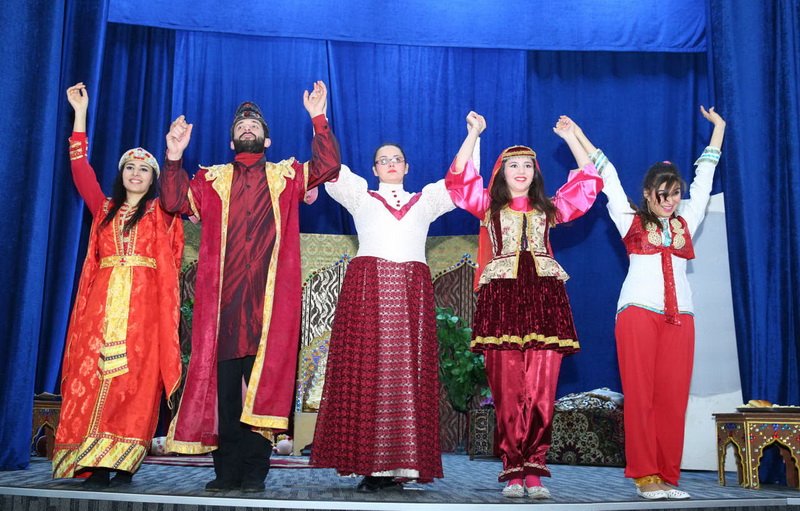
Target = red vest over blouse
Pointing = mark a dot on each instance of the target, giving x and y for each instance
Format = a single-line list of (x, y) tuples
[(646, 241)]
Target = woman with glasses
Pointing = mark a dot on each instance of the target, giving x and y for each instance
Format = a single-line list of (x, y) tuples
[(379, 416), (523, 321)]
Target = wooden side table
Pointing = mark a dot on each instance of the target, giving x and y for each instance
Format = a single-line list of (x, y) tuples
[(46, 413), (750, 433)]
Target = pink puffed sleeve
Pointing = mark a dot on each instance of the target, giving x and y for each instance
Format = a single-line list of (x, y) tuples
[(578, 194), (466, 189)]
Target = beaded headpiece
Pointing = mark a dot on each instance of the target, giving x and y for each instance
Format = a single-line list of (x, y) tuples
[(249, 110), (139, 154), (511, 152)]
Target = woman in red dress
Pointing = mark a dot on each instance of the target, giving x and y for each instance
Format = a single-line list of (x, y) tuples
[(122, 343)]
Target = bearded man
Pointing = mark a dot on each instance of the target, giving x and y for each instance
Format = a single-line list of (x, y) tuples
[(246, 323)]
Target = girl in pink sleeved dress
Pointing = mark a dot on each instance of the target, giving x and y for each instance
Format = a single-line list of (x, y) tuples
[(523, 321)]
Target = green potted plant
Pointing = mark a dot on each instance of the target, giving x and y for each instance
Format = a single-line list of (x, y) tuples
[(461, 371)]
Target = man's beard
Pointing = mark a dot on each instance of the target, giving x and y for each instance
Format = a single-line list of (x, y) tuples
[(249, 145)]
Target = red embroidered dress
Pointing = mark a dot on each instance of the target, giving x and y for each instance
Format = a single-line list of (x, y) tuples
[(379, 414), (522, 302), (122, 343)]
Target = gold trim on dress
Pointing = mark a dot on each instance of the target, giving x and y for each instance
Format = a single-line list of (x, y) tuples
[(678, 238), (521, 341), (134, 260), (195, 211), (511, 471), (99, 450)]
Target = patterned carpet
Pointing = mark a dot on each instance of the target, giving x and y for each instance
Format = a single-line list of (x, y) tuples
[(466, 485)]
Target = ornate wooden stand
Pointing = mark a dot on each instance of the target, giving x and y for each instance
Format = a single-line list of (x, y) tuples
[(750, 433)]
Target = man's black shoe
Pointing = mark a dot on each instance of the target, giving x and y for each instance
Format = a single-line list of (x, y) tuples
[(122, 478), (221, 485), (98, 480), (253, 486), (369, 484)]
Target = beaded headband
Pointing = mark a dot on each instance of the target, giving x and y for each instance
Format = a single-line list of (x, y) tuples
[(141, 155)]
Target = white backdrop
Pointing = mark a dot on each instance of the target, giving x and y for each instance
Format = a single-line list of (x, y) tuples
[(716, 386)]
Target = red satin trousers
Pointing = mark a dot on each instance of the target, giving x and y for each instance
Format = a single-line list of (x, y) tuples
[(523, 385)]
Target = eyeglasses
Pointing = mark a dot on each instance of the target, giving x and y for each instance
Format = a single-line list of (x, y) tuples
[(387, 161)]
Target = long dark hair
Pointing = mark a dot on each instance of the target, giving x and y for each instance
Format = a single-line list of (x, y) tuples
[(661, 173), (118, 196), (500, 195)]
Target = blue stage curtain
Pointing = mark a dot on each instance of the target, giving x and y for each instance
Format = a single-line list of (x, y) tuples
[(419, 97), (756, 55), (757, 62), (133, 97), (416, 96), (639, 108), (41, 212), (576, 25)]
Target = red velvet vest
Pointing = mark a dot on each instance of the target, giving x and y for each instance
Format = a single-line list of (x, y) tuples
[(644, 241)]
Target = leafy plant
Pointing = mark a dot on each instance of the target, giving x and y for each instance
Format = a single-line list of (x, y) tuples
[(187, 312), (461, 371)]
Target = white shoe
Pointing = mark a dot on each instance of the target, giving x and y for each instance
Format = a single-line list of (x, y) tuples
[(514, 491), (538, 492), (652, 495), (674, 494)]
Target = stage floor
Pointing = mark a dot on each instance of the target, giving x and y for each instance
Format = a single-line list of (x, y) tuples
[(467, 485)]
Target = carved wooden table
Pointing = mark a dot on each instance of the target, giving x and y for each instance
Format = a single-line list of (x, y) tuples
[(750, 433), (46, 413)]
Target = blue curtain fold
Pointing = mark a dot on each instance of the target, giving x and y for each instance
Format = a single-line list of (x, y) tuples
[(41, 213), (756, 53), (639, 108), (133, 98), (575, 25)]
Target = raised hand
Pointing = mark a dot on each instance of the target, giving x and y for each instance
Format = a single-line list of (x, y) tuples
[(311, 195), (564, 127), (178, 138), (475, 123), (719, 126), (712, 116), (78, 97), (573, 136), (316, 101)]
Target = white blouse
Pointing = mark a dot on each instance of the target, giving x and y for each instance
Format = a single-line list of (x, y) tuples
[(391, 223), (644, 284)]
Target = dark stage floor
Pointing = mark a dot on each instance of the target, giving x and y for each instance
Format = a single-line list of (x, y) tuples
[(468, 485)]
